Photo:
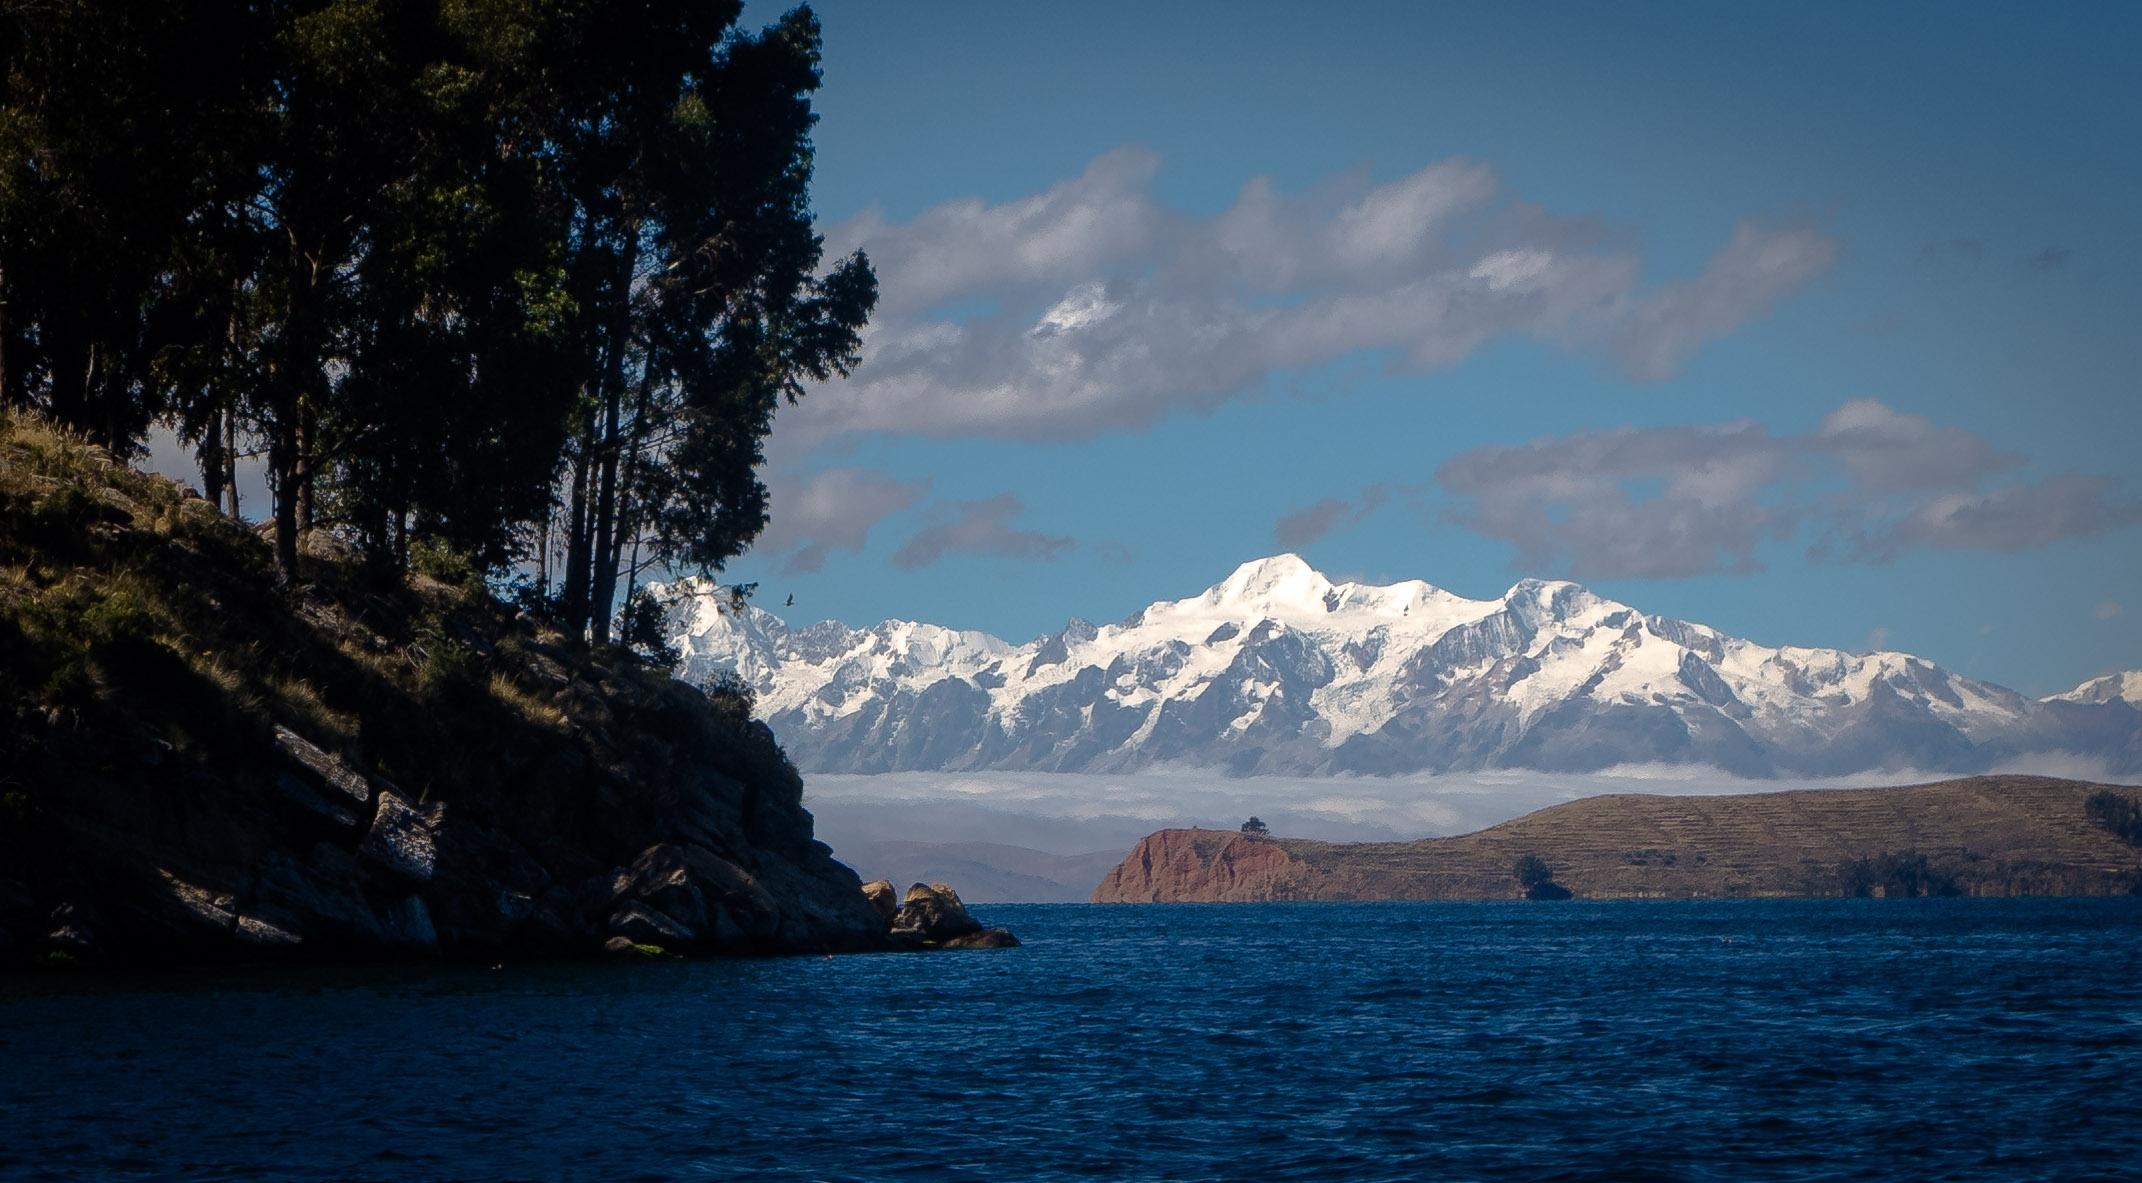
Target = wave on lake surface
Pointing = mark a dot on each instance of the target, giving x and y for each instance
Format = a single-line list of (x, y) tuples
[(1994, 1039)]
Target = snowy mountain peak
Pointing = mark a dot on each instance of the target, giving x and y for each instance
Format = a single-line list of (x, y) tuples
[(1554, 599), (2125, 686), (1281, 586), (1276, 669)]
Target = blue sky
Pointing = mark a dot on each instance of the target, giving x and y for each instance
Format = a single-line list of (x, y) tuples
[(1818, 324)]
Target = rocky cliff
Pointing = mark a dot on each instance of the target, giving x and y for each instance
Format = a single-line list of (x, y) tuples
[(195, 764), (2003, 835)]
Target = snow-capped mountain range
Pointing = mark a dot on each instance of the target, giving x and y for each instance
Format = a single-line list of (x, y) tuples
[(1277, 670)]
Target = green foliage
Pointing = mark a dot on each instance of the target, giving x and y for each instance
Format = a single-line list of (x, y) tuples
[(643, 628), (2117, 812), (732, 697), (1531, 870), (121, 614), (437, 559), (448, 267), (1536, 879), (1256, 826)]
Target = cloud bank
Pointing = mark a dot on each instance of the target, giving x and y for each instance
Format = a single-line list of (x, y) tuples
[(982, 527), (1092, 307), (1871, 483), (1072, 813)]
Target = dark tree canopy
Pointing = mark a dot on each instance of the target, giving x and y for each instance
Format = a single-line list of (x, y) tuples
[(513, 277)]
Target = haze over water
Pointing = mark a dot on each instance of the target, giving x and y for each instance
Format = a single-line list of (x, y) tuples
[(1969, 1039)]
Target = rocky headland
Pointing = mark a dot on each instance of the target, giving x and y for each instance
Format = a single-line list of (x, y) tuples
[(197, 764), (1990, 835)]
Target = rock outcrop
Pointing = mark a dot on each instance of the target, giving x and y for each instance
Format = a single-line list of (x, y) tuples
[(196, 765), (1210, 866), (932, 916), (2001, 835)]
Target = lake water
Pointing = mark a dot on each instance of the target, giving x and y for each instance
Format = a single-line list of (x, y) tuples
[(1955, 1039)]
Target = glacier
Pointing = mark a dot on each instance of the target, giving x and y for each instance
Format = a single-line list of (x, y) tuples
[(1278, 671)]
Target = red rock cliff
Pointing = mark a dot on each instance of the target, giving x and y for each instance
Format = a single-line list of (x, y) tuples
[(1217, 866)]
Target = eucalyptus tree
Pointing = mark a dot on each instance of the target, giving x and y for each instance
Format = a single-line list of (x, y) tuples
[(456, 267), (119, 122), (694, 272)]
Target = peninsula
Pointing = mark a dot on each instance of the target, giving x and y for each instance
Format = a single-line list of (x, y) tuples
[(1985, 835)]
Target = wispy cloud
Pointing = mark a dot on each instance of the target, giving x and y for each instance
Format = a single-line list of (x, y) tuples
[(834, 510), (1069, 813), (1306, 525), (1093, 307), (1688, 500), (983, 527), (2051, 258)]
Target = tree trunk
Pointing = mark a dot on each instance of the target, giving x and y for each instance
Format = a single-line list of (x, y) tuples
[(573, 597), (627, 512), (603, 573), (543, 556), (282, 467), (210, 457), (230, 458), (307, 447)]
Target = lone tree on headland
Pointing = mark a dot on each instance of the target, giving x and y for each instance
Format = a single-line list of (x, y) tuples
[(1256, 826), (1536, 879)]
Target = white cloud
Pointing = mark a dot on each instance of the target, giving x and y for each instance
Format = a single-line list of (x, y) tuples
[(1688, 500), (1091, 307), (2016, 517), (2107, 610), (1741, 282), (1073, 813), (1891, 452), (811, 517), (980, 528), (1306, 525)]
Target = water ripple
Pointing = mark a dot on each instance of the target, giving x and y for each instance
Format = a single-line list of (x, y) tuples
[(1660, 1041)]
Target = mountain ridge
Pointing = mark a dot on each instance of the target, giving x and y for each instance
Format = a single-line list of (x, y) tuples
[(1278, 670)]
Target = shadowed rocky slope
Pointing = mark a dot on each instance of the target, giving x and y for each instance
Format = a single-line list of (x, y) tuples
[(1996, 835), (196, 765)]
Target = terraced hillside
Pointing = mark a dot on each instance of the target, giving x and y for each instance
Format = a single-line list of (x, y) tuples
[(1986, 835)]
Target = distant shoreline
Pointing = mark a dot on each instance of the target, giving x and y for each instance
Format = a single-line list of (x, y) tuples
[(1978, 836)]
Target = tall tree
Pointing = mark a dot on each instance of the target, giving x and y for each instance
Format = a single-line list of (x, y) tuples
[(694, 269), (459, 268), (117, 121)]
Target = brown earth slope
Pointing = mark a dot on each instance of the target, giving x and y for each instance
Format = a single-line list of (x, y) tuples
[(1986, 835)]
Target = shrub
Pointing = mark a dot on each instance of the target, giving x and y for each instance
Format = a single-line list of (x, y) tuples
[(643, 628), (1905, 873), (731, 696), (1536, 878), (1531, 870), (2118, 813), (431, 557)]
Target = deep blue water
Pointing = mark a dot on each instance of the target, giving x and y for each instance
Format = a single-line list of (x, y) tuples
[(1966, 1039)]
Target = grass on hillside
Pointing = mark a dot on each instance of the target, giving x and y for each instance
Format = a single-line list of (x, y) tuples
[(139, 626)]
